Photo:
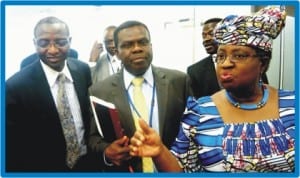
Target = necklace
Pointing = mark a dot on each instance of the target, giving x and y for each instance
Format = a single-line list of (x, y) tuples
[(260, 104)]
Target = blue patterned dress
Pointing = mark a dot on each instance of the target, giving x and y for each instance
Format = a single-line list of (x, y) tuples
[(206, 143)]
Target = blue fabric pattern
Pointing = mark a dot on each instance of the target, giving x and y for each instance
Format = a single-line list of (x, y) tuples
[(206, 143)]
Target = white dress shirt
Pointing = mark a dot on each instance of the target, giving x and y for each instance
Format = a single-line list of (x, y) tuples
[(51, 76), (114, 64), (147, 88)]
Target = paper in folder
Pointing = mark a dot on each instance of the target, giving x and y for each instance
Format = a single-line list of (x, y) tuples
[(106, 117)]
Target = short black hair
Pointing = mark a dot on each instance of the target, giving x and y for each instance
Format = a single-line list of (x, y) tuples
[(128, 24), (50, 20), (110, 27), (213, 20)]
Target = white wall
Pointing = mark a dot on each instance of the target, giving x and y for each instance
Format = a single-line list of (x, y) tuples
[(281, 73), (175, 32), (87, 24)]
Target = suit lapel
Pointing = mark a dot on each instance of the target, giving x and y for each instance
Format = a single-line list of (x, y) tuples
[(162, 95), (80, 83), (44, 95), (77, 79), (211, 77), (104, 68), (119, 96)]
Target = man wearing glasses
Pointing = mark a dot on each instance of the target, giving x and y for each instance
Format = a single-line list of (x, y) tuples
[(47, 107)]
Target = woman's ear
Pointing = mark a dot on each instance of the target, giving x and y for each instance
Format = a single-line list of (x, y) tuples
[(265, 61)]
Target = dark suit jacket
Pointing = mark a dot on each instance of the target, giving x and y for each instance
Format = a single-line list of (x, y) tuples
[(34, 57), (172, 91), (34, 136), (204, 81), (203, 77)]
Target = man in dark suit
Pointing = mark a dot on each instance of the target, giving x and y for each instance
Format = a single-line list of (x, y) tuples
[(35, 138), (203, 74), (72, 53), (165, 93)]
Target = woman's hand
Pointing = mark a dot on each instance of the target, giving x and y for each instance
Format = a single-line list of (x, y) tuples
[(145, 141)]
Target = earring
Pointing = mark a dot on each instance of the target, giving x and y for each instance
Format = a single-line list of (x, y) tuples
[(260, 82)]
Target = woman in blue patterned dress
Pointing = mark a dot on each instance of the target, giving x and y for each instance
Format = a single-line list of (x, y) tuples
[(246, 127)]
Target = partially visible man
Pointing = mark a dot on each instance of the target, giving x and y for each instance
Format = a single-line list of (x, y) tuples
[(203, 74), (47, 107), (164, 91), (106, 63)]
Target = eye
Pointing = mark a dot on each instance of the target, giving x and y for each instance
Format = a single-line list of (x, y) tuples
[(240, 56), (126, 45), (108, 41), (62, 42), (43, 43), (144, 42), (221, 57)]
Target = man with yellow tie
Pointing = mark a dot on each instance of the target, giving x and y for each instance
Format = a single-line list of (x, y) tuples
[(139, 91)]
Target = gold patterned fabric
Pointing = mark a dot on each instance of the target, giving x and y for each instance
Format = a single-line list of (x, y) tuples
[(257, 30), (67, 123)]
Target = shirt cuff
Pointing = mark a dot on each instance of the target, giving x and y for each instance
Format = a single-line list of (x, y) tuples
[(107, 163)]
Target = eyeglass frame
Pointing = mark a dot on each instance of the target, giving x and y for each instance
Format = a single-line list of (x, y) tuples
[(53, 42), (144, 42), (242, 58)]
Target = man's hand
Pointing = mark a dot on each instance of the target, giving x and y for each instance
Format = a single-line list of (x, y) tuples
[(118, 151), (96, 51)]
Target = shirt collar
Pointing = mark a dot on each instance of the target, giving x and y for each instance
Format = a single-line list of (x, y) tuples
[(110, 57), (51, 74), (148, 76)]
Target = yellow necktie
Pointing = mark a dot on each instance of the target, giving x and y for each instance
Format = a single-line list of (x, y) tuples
[(140, 104)]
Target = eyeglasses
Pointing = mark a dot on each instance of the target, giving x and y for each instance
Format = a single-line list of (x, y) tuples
[(130, 44), (109, 42), (236, 58), (58, 43)]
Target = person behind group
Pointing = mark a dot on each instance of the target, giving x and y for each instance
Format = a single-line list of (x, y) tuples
[(35, 139), (35, 57), (204, 81), (246, 127), (107, 63), (165, 91)]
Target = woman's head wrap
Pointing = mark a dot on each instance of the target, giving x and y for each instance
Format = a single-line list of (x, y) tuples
[(258, 30)]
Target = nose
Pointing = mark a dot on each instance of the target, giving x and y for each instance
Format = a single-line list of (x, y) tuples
[(137, 47), (227, 62), (52, 48)]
